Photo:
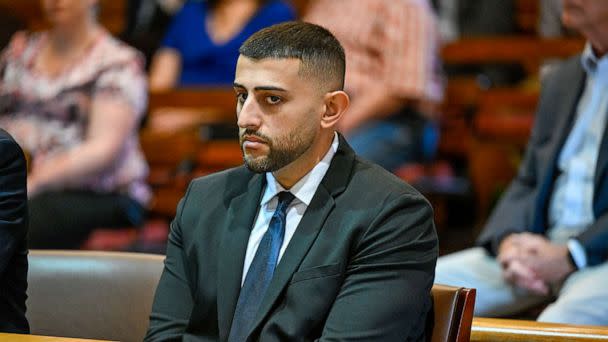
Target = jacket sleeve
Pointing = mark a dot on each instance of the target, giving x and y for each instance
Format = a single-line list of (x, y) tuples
[(595, 241), (13, 199), (173, 300), (385, 295), (514, 212)]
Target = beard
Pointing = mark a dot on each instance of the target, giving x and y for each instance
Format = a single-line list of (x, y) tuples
[(283, 150)]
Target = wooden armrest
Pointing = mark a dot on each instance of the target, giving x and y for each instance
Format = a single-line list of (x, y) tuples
[(494, 329)]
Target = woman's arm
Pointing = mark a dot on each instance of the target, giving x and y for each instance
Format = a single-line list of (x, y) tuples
[(165, 69), (110, 124)]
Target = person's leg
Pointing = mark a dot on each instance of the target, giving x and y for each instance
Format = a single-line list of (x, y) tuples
[(583, 299), (63, 220), (385, 143), (475, 268), (404, 137)]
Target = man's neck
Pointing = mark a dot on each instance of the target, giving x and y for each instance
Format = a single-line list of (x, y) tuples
[(598, 40), (289, 175)]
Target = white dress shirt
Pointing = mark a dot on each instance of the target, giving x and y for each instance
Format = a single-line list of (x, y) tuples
[(571, 204), (303, 191)]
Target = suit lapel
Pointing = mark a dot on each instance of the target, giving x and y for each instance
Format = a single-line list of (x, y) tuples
[(239, 221), (602, 161), (334, 182), (565, 114), (568, 107)]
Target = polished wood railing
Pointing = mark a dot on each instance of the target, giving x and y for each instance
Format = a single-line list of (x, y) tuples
[(495, 330)]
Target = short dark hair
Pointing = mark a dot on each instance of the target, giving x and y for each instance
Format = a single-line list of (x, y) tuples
[(321, 54)]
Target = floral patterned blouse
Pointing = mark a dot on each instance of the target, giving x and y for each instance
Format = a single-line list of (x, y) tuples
[(49, 114)]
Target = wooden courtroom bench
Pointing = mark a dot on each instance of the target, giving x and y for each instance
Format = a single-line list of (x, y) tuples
[(500, 131), (495, 330), (185, 111), (176, 152), (489, 127), (464, 94), (528, 51)]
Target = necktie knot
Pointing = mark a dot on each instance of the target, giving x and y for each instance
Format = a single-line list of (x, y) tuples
[(285, 198)]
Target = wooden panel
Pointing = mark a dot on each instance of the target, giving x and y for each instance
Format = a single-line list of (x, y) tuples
[(180, 109), (506, 114), (35, 338), (509, 49), (175, 150), (527, 15), (218, 98), (494, 330), (301, 6)]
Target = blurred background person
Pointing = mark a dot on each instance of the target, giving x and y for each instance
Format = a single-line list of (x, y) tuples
[(146, 23), (550, 26), (72, 97), (201, 45), (550, 20), (547, 238), (13, 228), (10, 24), (466, 18), (392, 75)]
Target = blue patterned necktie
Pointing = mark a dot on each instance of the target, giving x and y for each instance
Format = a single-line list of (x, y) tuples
[(260, 272)]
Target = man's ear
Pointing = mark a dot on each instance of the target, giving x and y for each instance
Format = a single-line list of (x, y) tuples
[(336, 103)]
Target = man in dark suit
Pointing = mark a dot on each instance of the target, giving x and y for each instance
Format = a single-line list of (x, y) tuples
[(307, 241), (13, 227), (548, 236)]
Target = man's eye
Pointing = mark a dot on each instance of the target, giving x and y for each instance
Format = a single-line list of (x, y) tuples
[(273, 99), (241, 97)]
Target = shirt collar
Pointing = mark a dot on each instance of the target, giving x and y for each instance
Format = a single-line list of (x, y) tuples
[(306, 187), (591, 63)]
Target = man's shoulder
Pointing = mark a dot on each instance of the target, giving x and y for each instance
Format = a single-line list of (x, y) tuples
[(223, 182), (9, 149), (564, 70), (376, 182), (6, 138), (235, 175)]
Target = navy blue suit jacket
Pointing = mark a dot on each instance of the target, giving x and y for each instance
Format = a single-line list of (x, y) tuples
[(13, 228), (525, 204)]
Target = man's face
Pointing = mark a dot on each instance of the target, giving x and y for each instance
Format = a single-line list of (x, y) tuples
[(585, 15), (278, 111)]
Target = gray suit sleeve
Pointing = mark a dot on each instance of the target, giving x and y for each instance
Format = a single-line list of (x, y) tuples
[(595, 241), (515, 210), (385, 295)]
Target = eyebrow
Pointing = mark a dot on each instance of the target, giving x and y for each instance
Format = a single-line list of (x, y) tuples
[(261, 88)]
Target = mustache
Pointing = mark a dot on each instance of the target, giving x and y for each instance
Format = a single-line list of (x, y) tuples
[(251, 133)]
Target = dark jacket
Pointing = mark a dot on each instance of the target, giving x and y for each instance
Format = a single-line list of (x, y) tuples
[(360, 265), (13, 228)]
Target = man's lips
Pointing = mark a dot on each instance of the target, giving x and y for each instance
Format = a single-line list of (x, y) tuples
[(253, 139), (253, 143)]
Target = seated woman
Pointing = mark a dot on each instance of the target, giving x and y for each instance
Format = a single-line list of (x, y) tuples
[(201, 45), (72, 97)]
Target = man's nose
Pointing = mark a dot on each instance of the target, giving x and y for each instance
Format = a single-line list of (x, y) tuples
[(249, 115)]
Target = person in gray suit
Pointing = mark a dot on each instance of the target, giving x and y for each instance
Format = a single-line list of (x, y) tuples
[(548, 236), (306, 241), (13, 229)]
